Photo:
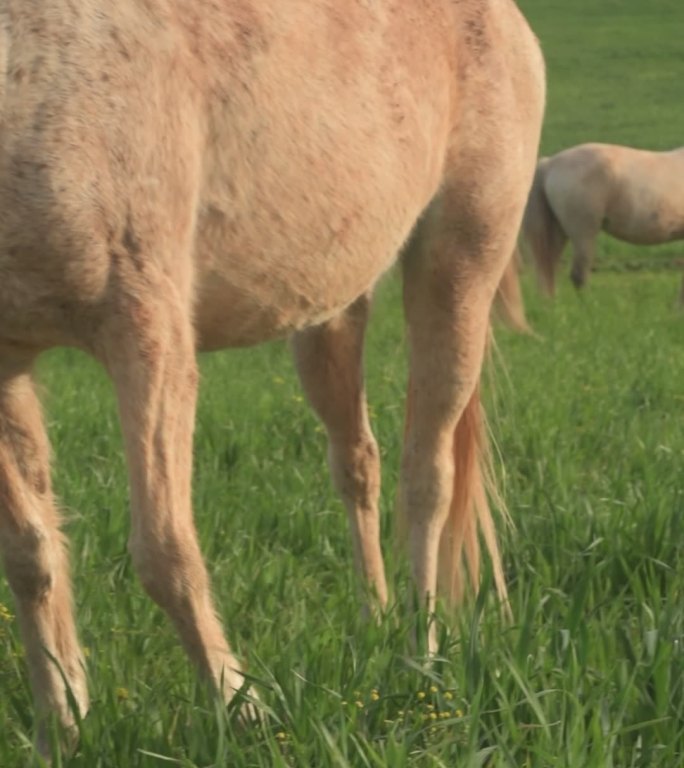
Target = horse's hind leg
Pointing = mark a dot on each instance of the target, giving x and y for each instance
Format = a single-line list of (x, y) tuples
[(35, 555), (450, 278), (582, 221), (582, 259), (148, 348), (329, 362)]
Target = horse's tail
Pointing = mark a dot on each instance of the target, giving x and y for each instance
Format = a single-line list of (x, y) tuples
[(508, 302), (542, 231), (470, 515)]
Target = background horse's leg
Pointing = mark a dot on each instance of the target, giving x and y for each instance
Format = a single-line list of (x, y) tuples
[(149, 352), (330, 366), (450, 277), (35, 555), (582, 259)]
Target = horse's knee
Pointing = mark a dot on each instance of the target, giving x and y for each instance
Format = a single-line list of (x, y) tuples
[(30, 564), (355, 469)]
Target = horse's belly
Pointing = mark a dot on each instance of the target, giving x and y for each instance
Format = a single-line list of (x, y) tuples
[(254, 287), (645, 222), (648, 207), (643, 232), (234, 313), (290, 233)]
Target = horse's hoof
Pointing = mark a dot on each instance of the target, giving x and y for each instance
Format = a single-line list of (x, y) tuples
[(578, 281)]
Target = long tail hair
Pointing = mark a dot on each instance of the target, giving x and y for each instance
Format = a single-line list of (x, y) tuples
[(470, 515), (542, 231), (508, 303)]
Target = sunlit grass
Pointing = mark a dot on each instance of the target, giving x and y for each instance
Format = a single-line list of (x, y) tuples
[(590, 671)]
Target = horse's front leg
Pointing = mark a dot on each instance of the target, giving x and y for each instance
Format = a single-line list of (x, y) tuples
[(330, 366), (35, 556), (148, 349)]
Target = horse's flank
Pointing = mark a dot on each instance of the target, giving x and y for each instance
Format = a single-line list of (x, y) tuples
[(233, 92)]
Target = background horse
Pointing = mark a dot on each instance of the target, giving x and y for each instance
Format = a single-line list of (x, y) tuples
[(179, 175), (633, 195)]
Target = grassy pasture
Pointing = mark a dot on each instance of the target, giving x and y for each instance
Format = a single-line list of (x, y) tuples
[(588, 425)]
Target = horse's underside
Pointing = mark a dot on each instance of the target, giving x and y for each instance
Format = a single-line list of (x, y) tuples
[(182, 174), (635, 195)]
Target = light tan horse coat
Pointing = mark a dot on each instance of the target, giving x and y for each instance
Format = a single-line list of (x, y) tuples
[(198, 174), (632, 194)]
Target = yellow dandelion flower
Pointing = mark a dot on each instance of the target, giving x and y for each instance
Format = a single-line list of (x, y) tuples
[(421, 695), (374, 695), (281, 735), (444, 715), (122, 694), (433, 730), (430, 707), (401, 713), (344, 703), (432, 715), (5, 613), (433, 689), (459, 713), (448, 695), (359, 704)]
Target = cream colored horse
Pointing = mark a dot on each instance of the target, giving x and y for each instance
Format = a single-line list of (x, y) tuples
[(633, 195), (191, 174)]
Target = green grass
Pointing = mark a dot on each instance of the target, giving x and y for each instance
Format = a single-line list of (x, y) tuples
[(587, 421), (615, 70)]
